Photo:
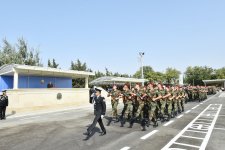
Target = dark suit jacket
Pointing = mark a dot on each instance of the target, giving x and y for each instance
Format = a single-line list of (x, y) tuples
[(99, 105), (4, 101)]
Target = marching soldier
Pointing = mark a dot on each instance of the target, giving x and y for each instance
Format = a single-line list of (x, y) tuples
[(140, 97), (99, 112), (170, 102), (128, 105), (115, 96), (155, 105), (176, 97)]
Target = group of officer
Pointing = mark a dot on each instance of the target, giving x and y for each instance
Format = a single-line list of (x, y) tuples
[(152, 103), (3, 105)]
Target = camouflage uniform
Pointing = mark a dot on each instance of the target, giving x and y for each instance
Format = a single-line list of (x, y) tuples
[(169, 103), (115, 94), (128, 106), (163, 92)]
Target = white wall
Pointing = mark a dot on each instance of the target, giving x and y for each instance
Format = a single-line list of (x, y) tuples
[(28, 98)]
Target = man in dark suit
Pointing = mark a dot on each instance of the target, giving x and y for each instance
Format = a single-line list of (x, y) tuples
[(3, 105), (99, 112)]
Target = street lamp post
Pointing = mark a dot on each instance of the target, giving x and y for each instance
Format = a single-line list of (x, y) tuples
[(142, 69)]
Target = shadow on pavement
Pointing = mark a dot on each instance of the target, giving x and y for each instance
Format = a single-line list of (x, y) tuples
[(13, 113), (95, 130)]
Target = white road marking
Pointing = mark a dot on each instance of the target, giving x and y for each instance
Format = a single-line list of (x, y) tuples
[(195, 107), (202, 119), (176, 149), (219, 129), (192, 137), (186, 145), (202, 123), (180, 116), (168, 123), (125, 148), (195, 128), (206, 140), (30, 118), (187, 111), (149, 134), (196, 131), (201, 103)]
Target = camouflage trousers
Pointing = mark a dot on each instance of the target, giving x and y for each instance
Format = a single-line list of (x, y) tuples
[(179, 104), (114, 108), (129, 109), (140, 108), (163, 106), (175, 105), (169, 106), (152, 111)]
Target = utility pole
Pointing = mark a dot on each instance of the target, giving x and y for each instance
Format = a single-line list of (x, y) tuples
[(142, 69)]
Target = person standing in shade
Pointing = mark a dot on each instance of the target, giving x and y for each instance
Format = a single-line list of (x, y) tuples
[(3, 105), (99, 112)]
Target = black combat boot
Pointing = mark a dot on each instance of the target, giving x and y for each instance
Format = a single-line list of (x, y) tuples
[(155, 123), (117, 120), (169, 117), (132, 122), (143, 124), (109, 121), (123, 121)]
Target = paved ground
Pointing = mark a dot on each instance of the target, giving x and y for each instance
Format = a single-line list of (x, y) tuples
[(202, 126)]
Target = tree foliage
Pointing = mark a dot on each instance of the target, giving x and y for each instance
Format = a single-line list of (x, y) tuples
[(195, 75), (172, 75), (146, 71), (52, 64), (19, 53)]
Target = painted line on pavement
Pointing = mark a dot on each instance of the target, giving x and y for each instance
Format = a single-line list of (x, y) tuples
[(189, 145), (180, 116), (195, 107), (168, 123), (149, 134), (192, 127), (125, 148), (187, 111), (192, 137)]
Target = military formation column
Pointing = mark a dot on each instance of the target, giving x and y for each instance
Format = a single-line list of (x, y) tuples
[(148, 105)]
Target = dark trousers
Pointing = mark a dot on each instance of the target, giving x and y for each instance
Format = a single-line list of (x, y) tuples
[(93, 125), (2, 112)]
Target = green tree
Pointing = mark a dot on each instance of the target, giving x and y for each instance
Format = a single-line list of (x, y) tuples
[(146, 71), (219, 73), (155, 76), (171, 75), (107, 72), (195, 75), (52, 64), (79, 66), (19, 53)]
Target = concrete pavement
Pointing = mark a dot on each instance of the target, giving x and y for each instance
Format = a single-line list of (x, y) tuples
[(63, 130)]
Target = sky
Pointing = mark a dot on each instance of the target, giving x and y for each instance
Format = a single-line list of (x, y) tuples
[(111, 33)]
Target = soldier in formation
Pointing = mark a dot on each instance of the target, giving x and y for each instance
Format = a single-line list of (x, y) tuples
[(152, 103)]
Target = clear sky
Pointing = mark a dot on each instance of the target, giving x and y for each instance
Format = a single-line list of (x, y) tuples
[(110, 33)]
